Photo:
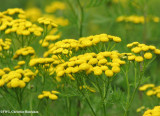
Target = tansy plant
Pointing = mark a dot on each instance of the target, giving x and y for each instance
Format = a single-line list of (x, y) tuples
[(78, 70)]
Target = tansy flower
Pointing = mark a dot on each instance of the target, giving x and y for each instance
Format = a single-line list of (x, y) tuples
[(138, 58), (147, 55), (47, 94), (109, 73)]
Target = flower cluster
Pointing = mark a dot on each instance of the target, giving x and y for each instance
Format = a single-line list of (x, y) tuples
[(136, 19), (33, 14), (4, 21), (17, 78), (68, 45), (151, 90), (64, 47), (5, 45), (23, 27), (13, 11), (47, 94), (47, 39), (4, 70), (19, 64), (24, 52), (55, 6), (93, 40), (152, 112), (109, 62), (141, 51), (58, 20), (42, 61), (47, 21)]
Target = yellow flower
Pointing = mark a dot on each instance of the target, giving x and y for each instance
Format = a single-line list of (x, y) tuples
[(60, 73), (136, 50), (1, 82), (53, 97), (132, 57), (84, 66), (104, 68), (139, 59), (117, 39), (1, 72), (145, 87), (6, 69), (22, 84), (98, 71), (41, 96), (157, 51), (55, 92), (152, 47), (104, 39), (116, 69), (129, 45), (145, 48), (15, 83), (109, 73), (26, 79), (93, 61), (158, 95), (150, 92), (102, 61), (148, 55), (75, 69), (21, 63)]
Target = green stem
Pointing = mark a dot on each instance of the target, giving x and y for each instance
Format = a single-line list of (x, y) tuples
[(102, 98), (145, 23), (30, 102), (81, 19), (135, 75), (133, 95), (86, 98), (88, 102)]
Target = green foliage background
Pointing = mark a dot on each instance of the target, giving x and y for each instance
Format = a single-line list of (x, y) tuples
[(100, 17)]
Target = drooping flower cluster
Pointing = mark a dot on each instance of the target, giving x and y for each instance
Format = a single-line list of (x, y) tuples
[(47, 39), (5, 45), (47, 94), (136, 19), (14, 79), (108, 62), (151, 90), (24, 52), (152, 112), (141, 51)]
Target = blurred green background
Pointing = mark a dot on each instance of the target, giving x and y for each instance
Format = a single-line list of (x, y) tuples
[(101, 18)]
